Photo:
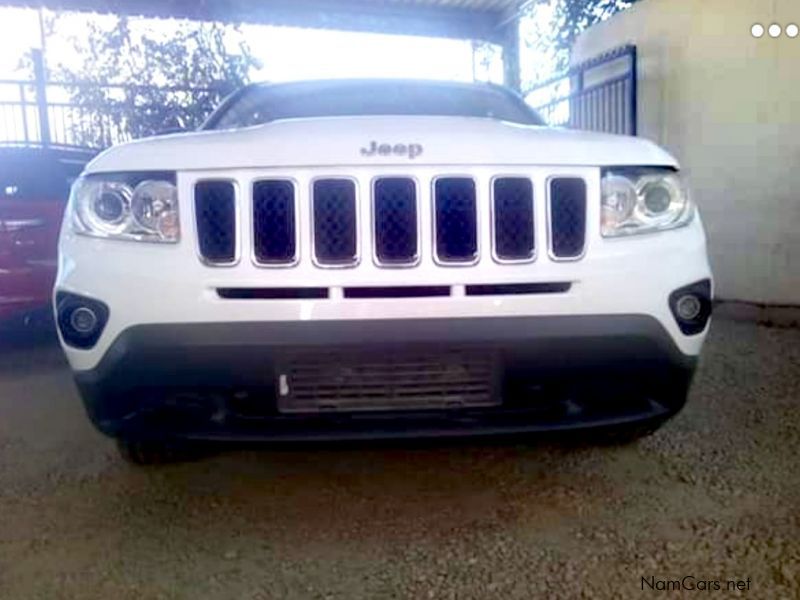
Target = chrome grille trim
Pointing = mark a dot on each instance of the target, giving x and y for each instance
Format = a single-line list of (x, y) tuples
[(484, 219)]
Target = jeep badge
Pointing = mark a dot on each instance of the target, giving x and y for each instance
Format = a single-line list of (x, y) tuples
[(376, 149)]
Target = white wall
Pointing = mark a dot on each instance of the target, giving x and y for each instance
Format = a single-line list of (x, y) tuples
[(728, 106)]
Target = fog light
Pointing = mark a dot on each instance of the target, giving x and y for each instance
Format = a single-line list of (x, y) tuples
[(80, 320), (83, 320), (691, 306), (688, 307)]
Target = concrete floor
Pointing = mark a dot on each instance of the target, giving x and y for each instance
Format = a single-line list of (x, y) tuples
[(715, 495)]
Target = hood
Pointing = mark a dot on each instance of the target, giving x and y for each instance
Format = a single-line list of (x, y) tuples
[(385, 140)]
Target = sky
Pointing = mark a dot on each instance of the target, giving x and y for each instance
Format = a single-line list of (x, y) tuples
[(286, 53)]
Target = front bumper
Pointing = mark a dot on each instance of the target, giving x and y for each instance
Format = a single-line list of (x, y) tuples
[(220, 380), (176, 357)]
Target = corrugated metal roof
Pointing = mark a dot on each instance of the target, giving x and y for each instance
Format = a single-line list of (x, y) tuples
[(476, 19), (476, 5)]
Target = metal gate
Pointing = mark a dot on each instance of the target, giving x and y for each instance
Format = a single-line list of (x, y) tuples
[(40, 112), (598, 95)]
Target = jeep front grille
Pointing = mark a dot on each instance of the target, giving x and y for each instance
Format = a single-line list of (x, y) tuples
[(396, 220), (335, 222), (274, 225), (215, 212)]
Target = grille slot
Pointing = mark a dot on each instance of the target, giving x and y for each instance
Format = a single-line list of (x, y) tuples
[(384, 379), (395, 214), (567, 207), (456, 220), (513, 219), (503, 289), (282, 293), (215, 213), (274, 227), (406, 291), (335, 222)]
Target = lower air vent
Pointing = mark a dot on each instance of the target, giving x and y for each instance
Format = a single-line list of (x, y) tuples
[(334, 207), (406, 291), (567, 217), (456, 220), (506, 289), (283, 293), (274, 228), (513, 218), (215, 211), (395, 210), (386, 379)]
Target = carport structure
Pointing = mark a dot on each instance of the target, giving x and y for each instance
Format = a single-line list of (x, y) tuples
[(598, 94), (494, 21)]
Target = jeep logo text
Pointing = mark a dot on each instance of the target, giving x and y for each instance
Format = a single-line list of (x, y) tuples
[(376, 149)]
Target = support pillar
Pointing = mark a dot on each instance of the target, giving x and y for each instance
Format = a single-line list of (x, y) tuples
[(511, 68)]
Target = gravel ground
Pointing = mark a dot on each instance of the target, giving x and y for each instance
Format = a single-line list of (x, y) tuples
[(713, 495)]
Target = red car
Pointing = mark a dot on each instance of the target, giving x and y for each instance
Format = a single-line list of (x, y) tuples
[(34, 187)]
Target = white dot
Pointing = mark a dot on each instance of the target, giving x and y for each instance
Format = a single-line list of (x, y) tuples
[(774, 30), (757, 30), (792, 30)]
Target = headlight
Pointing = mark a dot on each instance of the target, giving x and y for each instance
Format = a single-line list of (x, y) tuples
[(126, 206), (640, 200)]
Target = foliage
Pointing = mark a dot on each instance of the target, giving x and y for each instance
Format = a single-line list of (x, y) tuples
[(130, 82), (573, 16), (552, 26), (486, 58)]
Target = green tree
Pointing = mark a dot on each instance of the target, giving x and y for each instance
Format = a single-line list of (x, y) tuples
[(133, 79), (550, 28)]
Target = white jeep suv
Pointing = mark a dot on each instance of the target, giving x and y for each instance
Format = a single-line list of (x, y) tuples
[(351, 259)]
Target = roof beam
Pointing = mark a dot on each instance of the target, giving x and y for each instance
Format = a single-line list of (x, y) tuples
[(348, 15)]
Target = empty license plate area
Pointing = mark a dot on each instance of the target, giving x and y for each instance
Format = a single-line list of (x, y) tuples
[(381, 380)]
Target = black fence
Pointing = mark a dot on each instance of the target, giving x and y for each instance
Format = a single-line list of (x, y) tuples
[(46, 113), (598, 95)]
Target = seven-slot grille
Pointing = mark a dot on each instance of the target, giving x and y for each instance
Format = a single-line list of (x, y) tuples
[(395, 222)]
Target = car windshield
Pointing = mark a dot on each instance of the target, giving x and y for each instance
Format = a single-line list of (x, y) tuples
[(261, 104)]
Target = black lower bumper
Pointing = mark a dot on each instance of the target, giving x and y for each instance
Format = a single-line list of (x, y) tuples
[(220, 381)]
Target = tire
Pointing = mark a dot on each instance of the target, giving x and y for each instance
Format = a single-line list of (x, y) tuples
[(156, 452)]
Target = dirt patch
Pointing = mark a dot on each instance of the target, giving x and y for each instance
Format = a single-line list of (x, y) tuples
[(713, 495)]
